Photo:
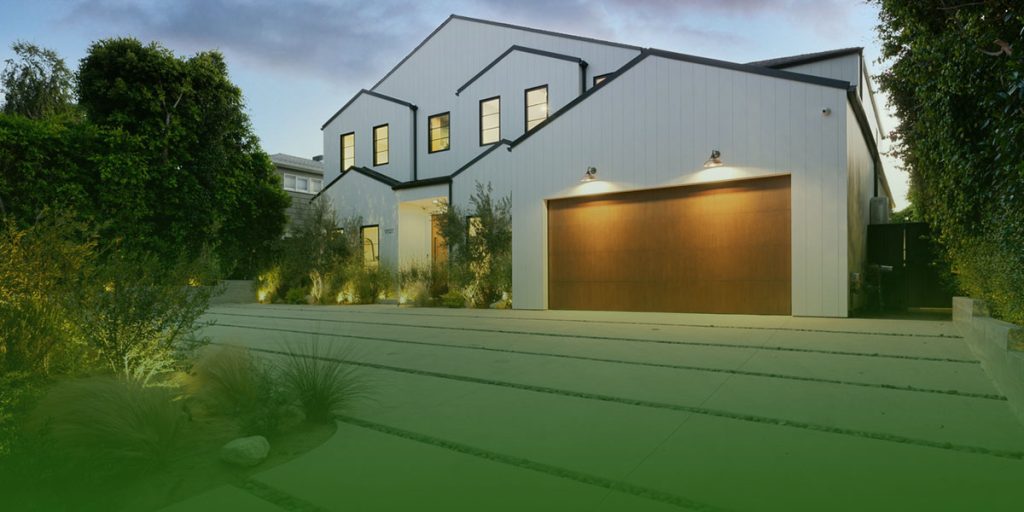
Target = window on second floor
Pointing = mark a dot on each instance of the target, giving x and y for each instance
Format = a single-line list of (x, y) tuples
[(380, 145), (536, 106), (370, 236), (348, 150), (601, 78), (296, 183), (439, 126), (490, 120)]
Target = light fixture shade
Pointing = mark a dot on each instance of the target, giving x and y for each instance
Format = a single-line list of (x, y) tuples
[(590, 175), (715, 160)]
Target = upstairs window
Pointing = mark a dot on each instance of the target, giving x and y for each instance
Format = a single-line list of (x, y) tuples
[(490, 120), (380, 145), (371, 245), (348, 150), (315, 185), (536, 106), (296, 183), (601, 78), (439, 132)]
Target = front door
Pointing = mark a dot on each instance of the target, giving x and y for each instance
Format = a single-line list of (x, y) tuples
[(438, 246)]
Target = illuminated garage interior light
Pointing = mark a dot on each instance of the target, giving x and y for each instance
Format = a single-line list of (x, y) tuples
[(590, 175), (715, 160)]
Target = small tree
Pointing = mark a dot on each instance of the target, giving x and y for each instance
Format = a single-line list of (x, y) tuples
[(38, 85), (480, 246)]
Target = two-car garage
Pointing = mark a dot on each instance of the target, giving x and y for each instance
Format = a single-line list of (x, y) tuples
[(709, 248)]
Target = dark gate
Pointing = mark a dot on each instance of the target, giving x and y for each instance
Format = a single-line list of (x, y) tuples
[(913, 281)]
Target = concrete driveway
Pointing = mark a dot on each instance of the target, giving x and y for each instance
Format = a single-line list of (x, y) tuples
[(554, 410)]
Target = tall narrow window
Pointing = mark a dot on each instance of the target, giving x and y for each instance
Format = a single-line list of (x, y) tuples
[(536, 106), (380, 145), (490, 120), (439, 128), (348, 150), (371, 245)]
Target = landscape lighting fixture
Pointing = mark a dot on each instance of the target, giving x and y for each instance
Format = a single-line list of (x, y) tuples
[(715, 160), (590, 175)]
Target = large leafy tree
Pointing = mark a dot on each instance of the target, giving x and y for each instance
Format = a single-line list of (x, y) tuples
[(956, 81), (37, 84)]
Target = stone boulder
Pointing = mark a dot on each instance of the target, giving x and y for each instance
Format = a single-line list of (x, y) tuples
[(245, 451)]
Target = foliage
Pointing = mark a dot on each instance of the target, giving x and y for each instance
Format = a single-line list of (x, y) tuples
[(422, 285), (296, 296), (42, 268), (370, 282), (38, 85), (141, 315), (956, 82), (453, 299), (908, 214), (319, 379), (115, 421), (18, 392), (267, 284), (480, 247), (245, 387)]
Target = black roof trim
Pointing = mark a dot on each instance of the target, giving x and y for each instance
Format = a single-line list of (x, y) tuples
[(807, 58), (426, 182), (496, 145), (371, 93), (869, 139), (581, 98), (748, 68), (524, 49), (497, 24)]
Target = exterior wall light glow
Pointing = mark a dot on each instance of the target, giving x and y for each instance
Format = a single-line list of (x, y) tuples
[(590, 175), (715, 160)]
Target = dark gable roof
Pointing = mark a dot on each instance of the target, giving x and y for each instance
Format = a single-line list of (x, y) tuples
[(517, 48), (806, 58), (498, 24), (369, 93), (388, 180)]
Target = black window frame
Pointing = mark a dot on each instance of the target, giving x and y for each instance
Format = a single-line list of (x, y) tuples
[(526, 107), (341, 152), (430, 141), (603, 78), (480, 119), (362, 243), (375, 140)]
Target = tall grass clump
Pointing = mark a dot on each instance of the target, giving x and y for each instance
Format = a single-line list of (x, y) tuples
[(319, 379), (234, 381)]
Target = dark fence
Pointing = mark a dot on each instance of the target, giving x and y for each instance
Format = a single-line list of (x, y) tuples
[(901, 259)]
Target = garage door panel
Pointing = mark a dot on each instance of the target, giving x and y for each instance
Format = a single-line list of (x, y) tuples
[(720, 248)]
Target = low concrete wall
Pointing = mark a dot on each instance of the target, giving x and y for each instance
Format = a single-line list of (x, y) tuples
[(236, 292), (999, 345)]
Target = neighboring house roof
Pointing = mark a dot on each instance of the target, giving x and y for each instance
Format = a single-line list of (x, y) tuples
[(806, 58), (297, 163)]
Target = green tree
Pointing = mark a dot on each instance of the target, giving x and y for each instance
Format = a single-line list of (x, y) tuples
[(38, 84), (956, 82), (208, 183), (480, 246)]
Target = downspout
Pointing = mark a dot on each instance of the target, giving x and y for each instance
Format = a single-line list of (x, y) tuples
[(583, 76), (415, 152)]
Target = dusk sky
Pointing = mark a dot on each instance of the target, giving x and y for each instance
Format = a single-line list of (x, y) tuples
[(298, 61)]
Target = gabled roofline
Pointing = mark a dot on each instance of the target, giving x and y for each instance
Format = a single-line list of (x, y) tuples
[(497, 24), (371, 93), (425, 182), (807, 58), (524, 49), (467, 165)]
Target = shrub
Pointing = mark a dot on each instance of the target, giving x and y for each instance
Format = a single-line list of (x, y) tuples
[(244, 386), (319, 379), (454, 299), (141, 315), (18, 391), (422, 285), (371, 283), (267, 284), (115, 421), (296, 296)]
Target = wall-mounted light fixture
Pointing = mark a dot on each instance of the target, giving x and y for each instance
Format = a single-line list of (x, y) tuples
[(590, 175), (715, 160)]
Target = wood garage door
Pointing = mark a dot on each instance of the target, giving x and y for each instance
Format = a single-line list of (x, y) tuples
[(717, 248)]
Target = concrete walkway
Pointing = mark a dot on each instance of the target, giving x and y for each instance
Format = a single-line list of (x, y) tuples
[(553, 410)]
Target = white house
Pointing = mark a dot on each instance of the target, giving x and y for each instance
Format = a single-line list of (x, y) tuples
[(775, 225)]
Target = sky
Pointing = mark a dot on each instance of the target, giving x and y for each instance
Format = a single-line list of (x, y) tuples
[(298, 61)]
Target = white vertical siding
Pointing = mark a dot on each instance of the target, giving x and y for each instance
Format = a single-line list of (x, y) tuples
[(641, 133), (360, 117), (357, 195), (860, 178)]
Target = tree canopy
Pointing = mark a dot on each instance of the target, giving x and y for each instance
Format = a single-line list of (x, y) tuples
[(956, 82), (38, 84), (164, 160)]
